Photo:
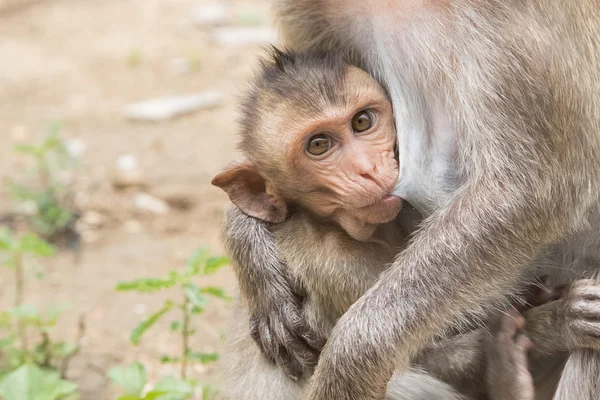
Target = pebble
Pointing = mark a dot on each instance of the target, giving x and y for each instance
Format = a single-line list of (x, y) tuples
[(132, 226), (75, 147), (146, 202), (210, 14), (165, 108), (127, 172), (93, 219), (244, 36), (179, 66)]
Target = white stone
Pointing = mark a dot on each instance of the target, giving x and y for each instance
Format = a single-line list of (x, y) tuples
[(93, 219), (210, 14), (179, 66), (75, 147), (146, 202), (244, 36), (127, 162), (164, 108)]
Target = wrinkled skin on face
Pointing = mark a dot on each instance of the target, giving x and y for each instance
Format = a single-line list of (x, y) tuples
[(339, 163)]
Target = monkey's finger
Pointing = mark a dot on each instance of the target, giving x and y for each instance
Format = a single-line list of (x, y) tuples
[(586, 310), (510, 325), (261, 334), (590, 293), (290, 366), (591, 329), (297, 324), (523, 342), (313, 339), (295, 346)]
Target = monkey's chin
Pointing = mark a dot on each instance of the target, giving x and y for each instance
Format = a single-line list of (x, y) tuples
[(384, 211)]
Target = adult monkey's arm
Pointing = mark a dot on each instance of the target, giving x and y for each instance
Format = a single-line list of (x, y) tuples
[(432, 283), (518, 80)]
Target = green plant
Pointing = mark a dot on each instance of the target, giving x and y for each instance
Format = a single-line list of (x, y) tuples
[(44, 204), (24, 366), (193, 301)]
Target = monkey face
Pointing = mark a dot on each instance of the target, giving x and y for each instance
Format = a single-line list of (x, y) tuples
[(343, 163), (319, 135)]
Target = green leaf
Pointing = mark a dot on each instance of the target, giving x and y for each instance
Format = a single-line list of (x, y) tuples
[(157, 395), (32, 244), (29, 382), (164, 359), (170, 388), (132, 378), (27, 313), (193, 263), (173, 385), (203, 358), (13, 357), (139, 330), (215, 291), (52, 315), (63, 349), (22, 193), (147, 285), (175, 325), (7, 341), (6, 240), (209, 393), (193, 294), (213, 264), (27, 149)]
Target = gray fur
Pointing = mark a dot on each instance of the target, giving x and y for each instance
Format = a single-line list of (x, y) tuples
[(496, 105)]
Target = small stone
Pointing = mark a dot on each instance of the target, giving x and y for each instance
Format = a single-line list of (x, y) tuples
[(146, 202), (132, 226), (210, 14), (127, 172), (165, 108), (179, 66), (244, 36), (93, 219), (75, 147)]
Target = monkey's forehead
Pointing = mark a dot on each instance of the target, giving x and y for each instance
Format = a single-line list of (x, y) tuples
[(313, 93)]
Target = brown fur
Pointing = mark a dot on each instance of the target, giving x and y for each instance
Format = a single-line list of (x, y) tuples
[(503, 96), (334, 271)]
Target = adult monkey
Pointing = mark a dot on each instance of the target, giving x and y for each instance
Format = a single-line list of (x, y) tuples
[(504, 165)]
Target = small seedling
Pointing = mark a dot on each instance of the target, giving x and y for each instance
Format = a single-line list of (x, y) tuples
[(193, 303), (44, 203), (28, 368)]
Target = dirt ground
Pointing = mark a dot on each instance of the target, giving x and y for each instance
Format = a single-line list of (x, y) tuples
[(81, 62)]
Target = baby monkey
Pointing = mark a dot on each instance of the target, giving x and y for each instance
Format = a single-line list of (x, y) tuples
[(317, 135), (319, 142)]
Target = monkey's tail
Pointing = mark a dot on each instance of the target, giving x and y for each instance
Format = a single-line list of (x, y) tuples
[(580, 379)]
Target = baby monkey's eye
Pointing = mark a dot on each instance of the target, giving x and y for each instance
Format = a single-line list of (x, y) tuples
[(318, 144), (363, 121)]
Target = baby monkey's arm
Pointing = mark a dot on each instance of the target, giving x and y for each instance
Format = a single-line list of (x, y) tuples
[(274, 300)]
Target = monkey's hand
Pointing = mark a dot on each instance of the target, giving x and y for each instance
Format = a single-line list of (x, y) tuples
[(277, 322), (280, 330), (579, 315)]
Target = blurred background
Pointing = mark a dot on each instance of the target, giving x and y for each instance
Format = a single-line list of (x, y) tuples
[(114, 117)]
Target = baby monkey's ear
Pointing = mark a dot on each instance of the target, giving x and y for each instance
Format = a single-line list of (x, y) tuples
[(251, 192)]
